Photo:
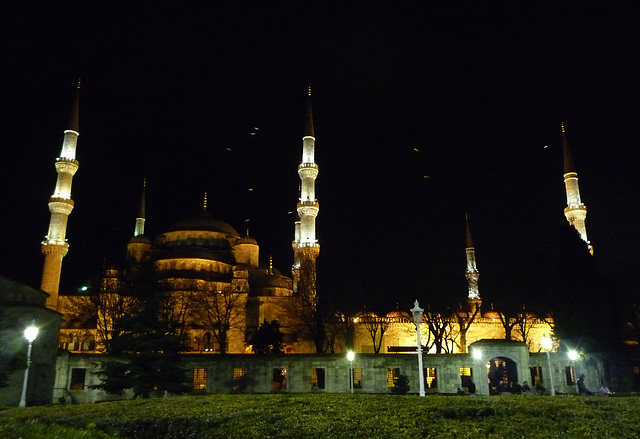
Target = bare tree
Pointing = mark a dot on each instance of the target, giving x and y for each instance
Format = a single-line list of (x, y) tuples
[(220, 312), (308, 312), (464, 318), (376, 326), (442, 332)]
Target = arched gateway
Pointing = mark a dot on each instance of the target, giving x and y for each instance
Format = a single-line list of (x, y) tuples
[(502, 375)]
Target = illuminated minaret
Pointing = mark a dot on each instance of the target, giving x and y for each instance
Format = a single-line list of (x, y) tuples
[(55, 246), (576, 212), (139, 245), (305, 244), (472, 274)]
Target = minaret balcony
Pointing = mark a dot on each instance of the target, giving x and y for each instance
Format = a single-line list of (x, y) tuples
[(575, 212), (66, 166), (308, 208), (60, 205), (308, 170)]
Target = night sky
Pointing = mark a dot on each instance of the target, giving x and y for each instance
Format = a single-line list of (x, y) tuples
[(421, 113)]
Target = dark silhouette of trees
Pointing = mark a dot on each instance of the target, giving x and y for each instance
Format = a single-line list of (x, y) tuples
[(145, 344), (584, 303), (268, 340)]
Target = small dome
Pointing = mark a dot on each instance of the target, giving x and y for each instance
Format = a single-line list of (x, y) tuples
[(204, 222), (399, 316), (247, 240), (491, 314)]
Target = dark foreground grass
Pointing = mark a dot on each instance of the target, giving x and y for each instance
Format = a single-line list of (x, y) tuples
[(330, 416)]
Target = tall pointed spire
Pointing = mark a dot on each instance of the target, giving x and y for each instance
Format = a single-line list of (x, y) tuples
[(576, 211), (55, 246), (74, 123), (472, 274), (305, 244), (308, 125)]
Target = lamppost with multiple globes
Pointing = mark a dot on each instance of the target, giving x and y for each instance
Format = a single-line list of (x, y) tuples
[(416, 311), (30, 334), (350, 357), (547, 344)]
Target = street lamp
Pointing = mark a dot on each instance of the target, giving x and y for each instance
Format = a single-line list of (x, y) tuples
[(350, 357), (547, 343), (30, 334), (416, 311)]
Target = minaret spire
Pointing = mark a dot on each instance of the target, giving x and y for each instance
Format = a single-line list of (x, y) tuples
[(139, 245), (140, 220), (576, 211), (305, 244), (55, 246), (472, 274)]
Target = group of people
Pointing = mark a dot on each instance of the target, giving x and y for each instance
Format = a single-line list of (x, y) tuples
[(516, 388)]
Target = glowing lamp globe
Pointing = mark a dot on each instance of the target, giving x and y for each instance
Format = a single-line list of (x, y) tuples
[(31, 333)]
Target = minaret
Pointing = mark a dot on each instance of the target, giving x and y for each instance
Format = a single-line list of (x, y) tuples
[(576, 212), (55, 246), (139, 245), (472, 274), (139, 229), (305, 244)]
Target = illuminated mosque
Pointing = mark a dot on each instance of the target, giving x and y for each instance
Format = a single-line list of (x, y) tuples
[(222, 293)]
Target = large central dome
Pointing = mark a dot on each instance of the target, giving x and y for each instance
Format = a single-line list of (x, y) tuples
[(204, 222)]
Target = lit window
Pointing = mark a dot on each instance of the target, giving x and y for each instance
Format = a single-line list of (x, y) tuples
[(239, 379), (239, 372), (357, 377), (77, 379), (199, 378), (317, 378), (430, 377), (466, 376), (279, 381), (536, 375), (570, 375), (392, 376)]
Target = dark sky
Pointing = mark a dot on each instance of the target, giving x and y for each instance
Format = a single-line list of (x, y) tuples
[(480, 93)]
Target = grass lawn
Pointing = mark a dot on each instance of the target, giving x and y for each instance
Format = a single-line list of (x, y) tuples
[(330, 416)]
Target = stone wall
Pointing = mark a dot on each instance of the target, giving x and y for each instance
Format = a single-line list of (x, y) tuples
[(302, 373)]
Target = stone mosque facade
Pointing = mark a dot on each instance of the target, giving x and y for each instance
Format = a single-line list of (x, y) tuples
[(215, 280)]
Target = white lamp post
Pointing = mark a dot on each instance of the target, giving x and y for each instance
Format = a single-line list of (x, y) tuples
[(30, 334), (350, 357), (416, 311), (547, 343)]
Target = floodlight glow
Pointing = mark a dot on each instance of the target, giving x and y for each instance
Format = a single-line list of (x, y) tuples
[(477, 354), (31, 333), (351, 355), (573, 355), (546, 342)]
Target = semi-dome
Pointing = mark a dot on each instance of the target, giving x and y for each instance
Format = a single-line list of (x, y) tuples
[(204, 222)]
